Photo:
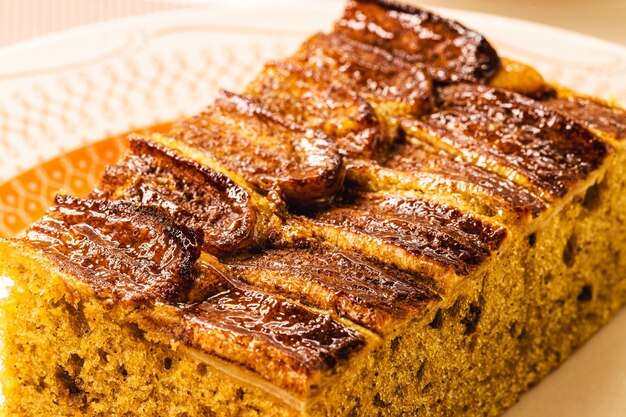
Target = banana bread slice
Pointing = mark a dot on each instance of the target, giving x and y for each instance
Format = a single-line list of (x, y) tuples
[(393, 221)]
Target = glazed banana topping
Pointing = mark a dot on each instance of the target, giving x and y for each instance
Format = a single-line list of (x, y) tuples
[(449, 51), (418, 158), (363, 290), (309, 97), (391, 84), (194, 195), (593, 114), (266, 149), (514, 136), (437, 236), (134, 252), (283, 342)]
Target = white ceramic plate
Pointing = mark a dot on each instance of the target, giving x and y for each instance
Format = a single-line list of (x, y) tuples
[(60, 95)]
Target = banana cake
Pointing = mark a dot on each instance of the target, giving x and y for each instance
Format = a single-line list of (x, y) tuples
[(393, 221)]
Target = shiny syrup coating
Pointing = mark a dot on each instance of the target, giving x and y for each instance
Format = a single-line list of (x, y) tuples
[(448, 50), (278, 339), (440, 233), (365, 291), (554, 152), (414, 158), (194, 195), (268, 150), (133, 252), (593, 114), (389, 82), (311, 98)]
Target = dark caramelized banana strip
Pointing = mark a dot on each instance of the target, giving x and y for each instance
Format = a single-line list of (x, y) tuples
[(393, 86), (601, 117), (311, 98), (283, 342), (415, 234), (267, 150), (194, 195), (437, 175), (132, 252), (513, 136), (448, 50), (367, 292)]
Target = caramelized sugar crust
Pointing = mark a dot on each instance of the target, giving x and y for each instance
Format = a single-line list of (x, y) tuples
[(593, 114), (393, 85), (134, 252), (554, 153), (268, 150), (193, 194), (420, 158), (280, 340), (363, 290), (449, 51), (311, 98), (441, 234)]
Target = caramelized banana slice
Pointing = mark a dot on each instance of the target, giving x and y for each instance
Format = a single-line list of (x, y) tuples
[(194, 195), (450, 51), (134, 252), (267, 150), (311, 98), (283, 342), (523, 79), (418, 235), (514, 136), (365, 291), (394, 86), (438, 175), (601, 117)]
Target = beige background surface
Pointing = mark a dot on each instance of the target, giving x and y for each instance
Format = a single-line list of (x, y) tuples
[(25, 19), (604, 19)]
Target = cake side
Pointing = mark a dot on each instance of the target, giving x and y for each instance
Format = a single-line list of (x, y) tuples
[(69, 352)]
